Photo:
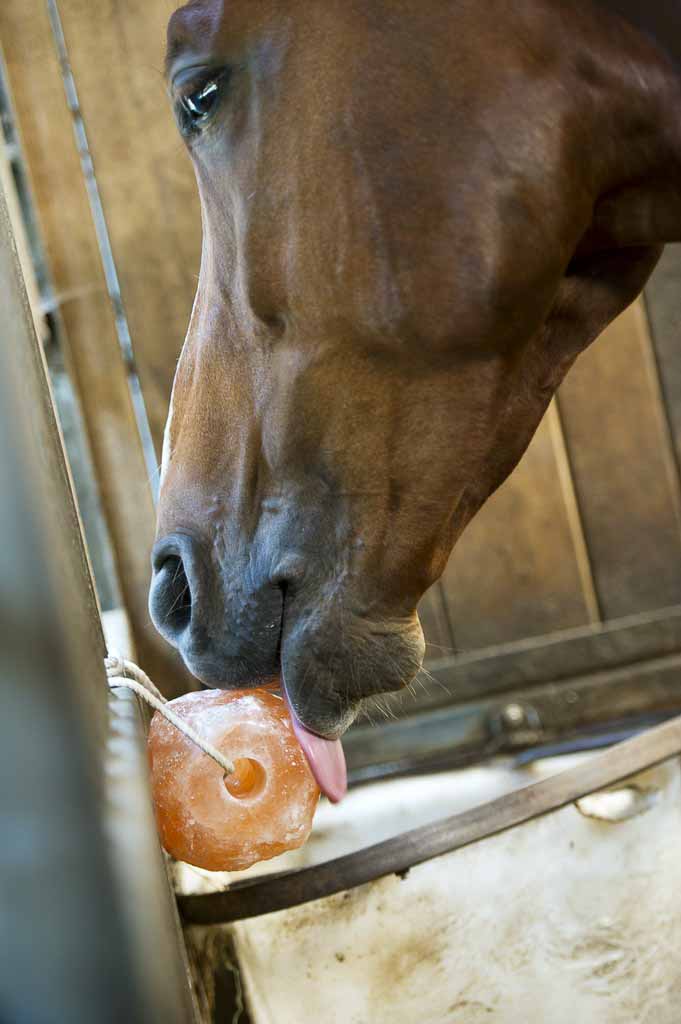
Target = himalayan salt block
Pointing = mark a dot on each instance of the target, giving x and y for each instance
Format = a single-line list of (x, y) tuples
[(229, 822)]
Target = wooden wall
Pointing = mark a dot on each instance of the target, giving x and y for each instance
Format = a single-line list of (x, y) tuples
[(588, 528)]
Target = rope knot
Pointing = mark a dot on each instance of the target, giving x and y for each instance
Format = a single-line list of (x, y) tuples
[(115, 666), (121, 672)]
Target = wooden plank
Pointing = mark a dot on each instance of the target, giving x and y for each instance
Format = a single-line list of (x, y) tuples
[(573, 712), (624, 471), (515, 572), (269, 893), (664, 315), (25, 384), (555, 658), (79, 942), (559, 657), (145, 179), (93, 353)]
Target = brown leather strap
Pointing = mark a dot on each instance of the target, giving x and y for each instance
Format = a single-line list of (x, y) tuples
[(269, 893)]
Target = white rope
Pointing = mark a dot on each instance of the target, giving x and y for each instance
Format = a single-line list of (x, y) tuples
[(121, 672)]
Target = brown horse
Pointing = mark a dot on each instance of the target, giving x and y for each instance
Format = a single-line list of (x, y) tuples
[(416, 213)]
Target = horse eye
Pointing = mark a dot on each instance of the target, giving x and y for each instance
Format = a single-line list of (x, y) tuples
[(197, 106)]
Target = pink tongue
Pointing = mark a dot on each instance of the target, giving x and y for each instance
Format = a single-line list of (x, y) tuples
[(325, 758)]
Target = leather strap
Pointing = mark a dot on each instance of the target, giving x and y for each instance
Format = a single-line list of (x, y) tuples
[(269, 893)]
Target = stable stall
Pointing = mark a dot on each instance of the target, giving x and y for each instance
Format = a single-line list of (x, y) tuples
[(473, 874)]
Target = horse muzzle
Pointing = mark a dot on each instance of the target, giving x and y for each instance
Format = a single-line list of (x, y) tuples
[(228, 631), (250, 625)]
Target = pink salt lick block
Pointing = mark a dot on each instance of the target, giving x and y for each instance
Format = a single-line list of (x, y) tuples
[(229, 822)]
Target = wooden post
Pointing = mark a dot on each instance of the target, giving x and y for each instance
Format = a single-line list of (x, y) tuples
[(87, 928)]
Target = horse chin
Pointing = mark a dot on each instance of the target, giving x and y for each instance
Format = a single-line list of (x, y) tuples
[(331, 673), (324, 716)]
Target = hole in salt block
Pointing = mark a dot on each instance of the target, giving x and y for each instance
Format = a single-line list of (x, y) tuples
[(247, 780)]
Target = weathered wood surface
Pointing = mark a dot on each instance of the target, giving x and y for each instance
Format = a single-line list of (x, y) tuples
[(556, 658), (26, 390), (279, 891), (145, 179), (624, 469), (663, 305), (94, 356), (579, 712), (588, 527), (87, 928), (515, 571)]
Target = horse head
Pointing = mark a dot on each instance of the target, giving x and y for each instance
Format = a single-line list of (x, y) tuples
[(415, 216)]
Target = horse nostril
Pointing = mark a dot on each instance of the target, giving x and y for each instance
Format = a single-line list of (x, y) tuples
[(170, 600), (179, 595), (227, 632)]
